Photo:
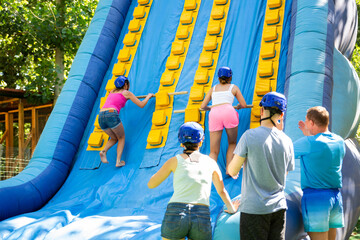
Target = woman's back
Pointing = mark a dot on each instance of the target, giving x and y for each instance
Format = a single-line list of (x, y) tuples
[(222, 94), (193, 179), (115, 100)]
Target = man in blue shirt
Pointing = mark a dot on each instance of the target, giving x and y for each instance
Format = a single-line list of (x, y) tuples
[(321, 153)]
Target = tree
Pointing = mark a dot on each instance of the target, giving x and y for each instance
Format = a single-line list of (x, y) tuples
[(355, 60), (38, 42)]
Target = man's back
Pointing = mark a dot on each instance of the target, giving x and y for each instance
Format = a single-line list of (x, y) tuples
[(321, 160), (269, 154)]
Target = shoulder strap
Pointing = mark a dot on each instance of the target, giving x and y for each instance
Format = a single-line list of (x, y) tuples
[(179, 157), (214, 88), (231, 87), (195, 156)]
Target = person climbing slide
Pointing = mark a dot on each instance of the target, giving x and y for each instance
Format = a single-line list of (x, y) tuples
[(109, 119), (223, 114)]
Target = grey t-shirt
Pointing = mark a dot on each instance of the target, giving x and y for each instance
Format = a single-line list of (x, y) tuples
[(269, 155)]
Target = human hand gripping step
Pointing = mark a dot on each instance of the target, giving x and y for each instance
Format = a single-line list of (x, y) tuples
[(239, 106)]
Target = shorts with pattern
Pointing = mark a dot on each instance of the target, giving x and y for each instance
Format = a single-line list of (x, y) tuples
[(322, 209)]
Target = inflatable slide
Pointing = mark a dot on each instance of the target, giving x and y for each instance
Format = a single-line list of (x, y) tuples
[(173, 49)]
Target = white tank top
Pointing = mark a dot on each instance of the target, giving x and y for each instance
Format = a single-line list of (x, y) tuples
[(222, 97), (193, 179)]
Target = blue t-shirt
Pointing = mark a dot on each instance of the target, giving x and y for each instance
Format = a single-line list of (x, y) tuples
[(321, 159)]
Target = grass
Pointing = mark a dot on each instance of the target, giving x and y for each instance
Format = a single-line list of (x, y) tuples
[(356, 233)]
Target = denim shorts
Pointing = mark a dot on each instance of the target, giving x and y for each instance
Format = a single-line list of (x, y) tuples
[(322, 209), (109, 119), (186, 220)]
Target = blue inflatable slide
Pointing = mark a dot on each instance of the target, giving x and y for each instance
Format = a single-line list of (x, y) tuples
[(66, 193)]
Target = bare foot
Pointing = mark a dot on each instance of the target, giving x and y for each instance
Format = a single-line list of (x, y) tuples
[(120, 164), (103, 157)]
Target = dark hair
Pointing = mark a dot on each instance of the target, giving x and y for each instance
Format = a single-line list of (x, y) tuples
[(191, 146), (224, 80), (319, 115), (125, 83), (273, 110)]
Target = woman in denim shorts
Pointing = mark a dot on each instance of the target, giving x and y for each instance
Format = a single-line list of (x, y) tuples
[(188, 214), (109, 120)]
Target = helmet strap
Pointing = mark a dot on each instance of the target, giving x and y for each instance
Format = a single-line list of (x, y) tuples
[(188, 152), (272, 113), (267, 119)]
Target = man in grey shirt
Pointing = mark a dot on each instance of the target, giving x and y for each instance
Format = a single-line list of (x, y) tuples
[(267, 154)]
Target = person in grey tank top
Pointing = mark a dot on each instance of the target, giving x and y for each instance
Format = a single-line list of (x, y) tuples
[(267, 155), (188, 212)]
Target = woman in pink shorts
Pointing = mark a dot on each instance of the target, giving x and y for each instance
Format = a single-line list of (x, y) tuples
[(223, 114)]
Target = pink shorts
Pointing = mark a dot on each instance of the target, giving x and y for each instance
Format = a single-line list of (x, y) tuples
[(223, 116)]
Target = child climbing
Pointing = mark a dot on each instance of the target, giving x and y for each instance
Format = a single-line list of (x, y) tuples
[(109, 119), (193, 174), (223, 114)]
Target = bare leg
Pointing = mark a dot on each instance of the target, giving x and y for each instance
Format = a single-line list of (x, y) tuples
[(332, 233), (318, 235), (215, 139), (113, 140), (232, 137), (120, 134)]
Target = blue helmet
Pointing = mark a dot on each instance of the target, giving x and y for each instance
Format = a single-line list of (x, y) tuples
[(120, 81), (191, 132), (274, 99), (224, 72)]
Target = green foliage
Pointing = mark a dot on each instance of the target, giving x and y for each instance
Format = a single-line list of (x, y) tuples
[(356, 234), (31, 31), (356, 58), (356, 62), (358, 10)]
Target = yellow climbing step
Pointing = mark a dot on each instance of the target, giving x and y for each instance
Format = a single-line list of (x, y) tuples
[(268, 61), (208, 60), (164, 99)]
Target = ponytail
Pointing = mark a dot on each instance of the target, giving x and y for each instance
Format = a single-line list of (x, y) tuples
[(224, 80), (190, 146)]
